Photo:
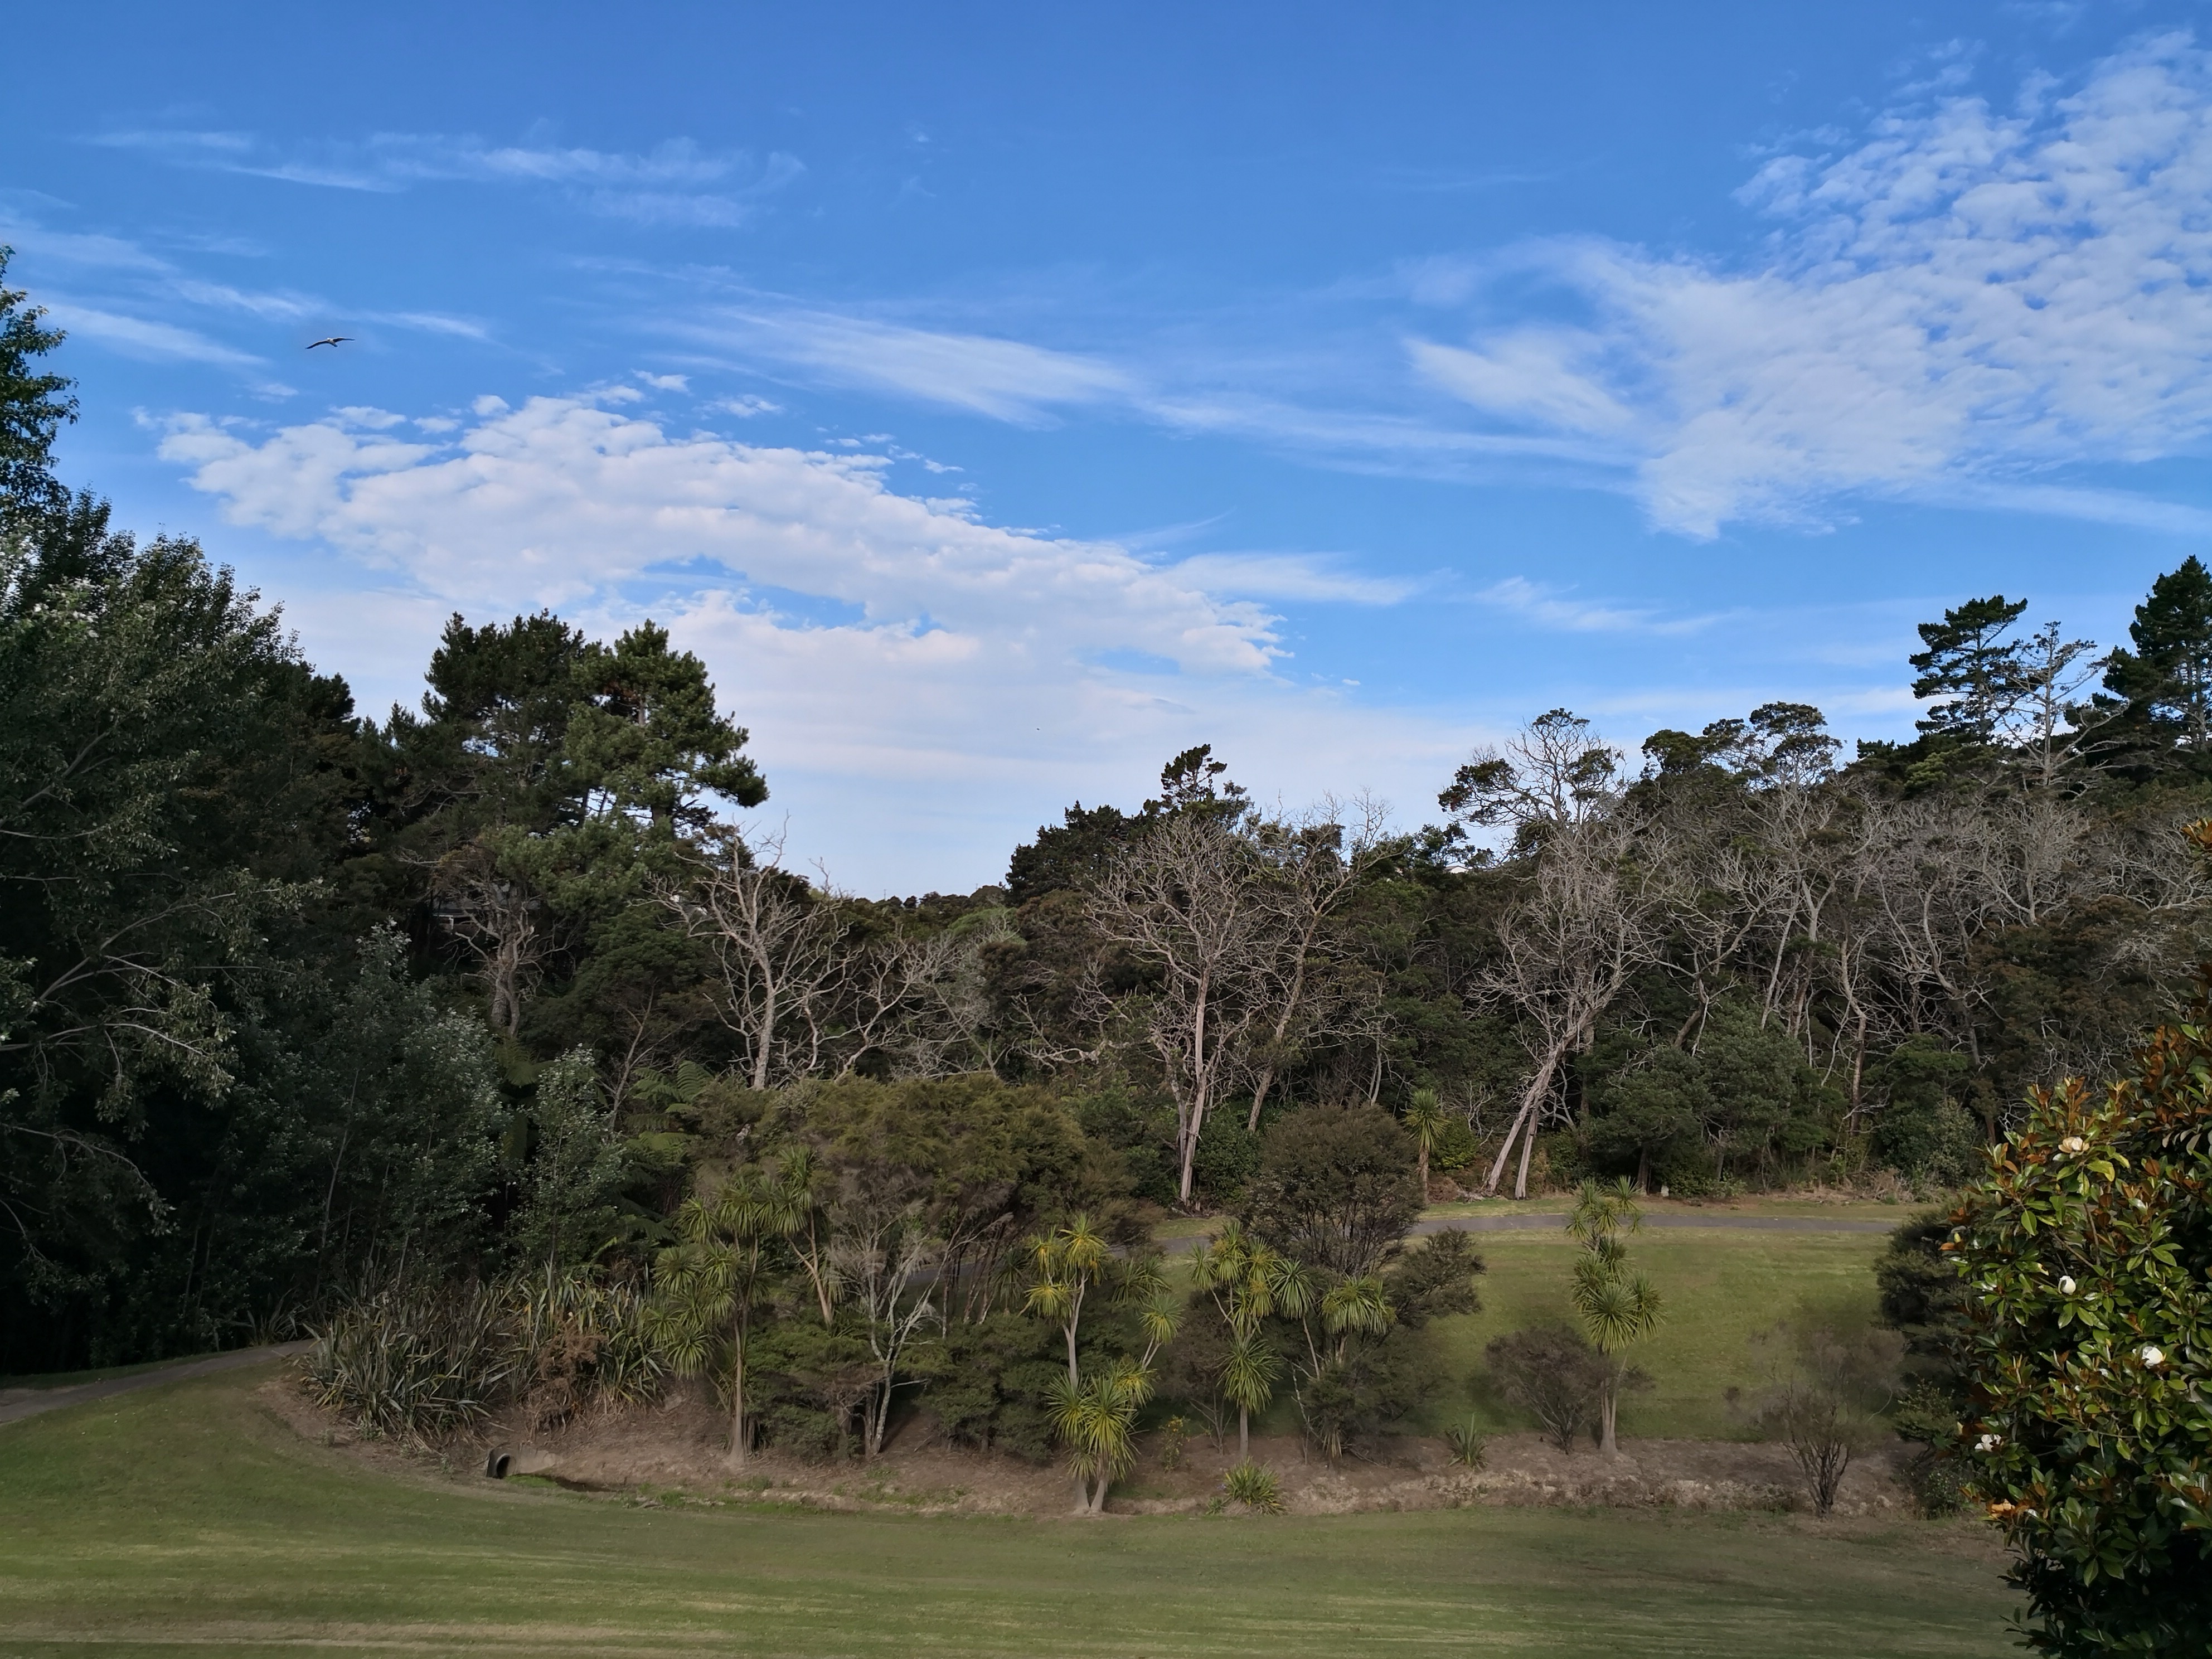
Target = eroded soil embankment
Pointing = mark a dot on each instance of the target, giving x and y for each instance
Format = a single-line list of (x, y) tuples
[(676, 1450)]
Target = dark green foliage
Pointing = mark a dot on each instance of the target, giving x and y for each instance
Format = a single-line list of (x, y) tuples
[(1335, 1188), (1072, 855), (1228, 1157), (807, 1384), (2087, 1249), (2165, 683), (1736, 1099), (1779, 743), (1968, 660), (1139, 1127), (1436, 1280), (1921, 1297), (1922, 1131), (1367, 1384), (33, 405), (987, 1385)]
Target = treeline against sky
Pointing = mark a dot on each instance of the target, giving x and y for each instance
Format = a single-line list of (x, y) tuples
[(294, 1001)]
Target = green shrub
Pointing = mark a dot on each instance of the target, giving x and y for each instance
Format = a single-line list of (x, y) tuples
[(2086, 1249), (806, 1382), (417, 1362), (1456, 1147), (1228, 1156), (1257, 1489), (1175, 1440), (1924, 1134), (988, 1384), (1466, 1443)]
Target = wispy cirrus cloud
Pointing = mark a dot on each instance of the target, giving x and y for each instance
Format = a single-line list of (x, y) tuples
[(135, 298), (1005, 380), (1550, 607), (677, 182), (148, 338)]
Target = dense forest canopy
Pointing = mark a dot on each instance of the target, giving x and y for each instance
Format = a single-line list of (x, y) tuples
[(296, 999)]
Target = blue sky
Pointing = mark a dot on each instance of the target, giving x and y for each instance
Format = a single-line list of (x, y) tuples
[(1002, 397)]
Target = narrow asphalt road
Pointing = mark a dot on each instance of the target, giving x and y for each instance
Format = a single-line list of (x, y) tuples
[(18, 1403)]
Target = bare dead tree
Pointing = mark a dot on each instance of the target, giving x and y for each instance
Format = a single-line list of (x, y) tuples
[(485, 900), (1185, 900), (775, 947), (885, 1254), (1590, 917), (1312, 865)]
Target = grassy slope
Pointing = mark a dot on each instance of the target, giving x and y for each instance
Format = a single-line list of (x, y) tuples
[(186, 1517), (1717, 1288)]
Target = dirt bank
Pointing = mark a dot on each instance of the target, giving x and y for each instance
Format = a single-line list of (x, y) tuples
[(673, 1451)]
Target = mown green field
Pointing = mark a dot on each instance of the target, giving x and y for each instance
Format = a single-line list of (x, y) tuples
[(1717, 1287), (185, 1518)]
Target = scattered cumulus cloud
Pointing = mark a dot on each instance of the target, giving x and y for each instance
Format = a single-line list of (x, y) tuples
[(972, 654), (1961, 301)]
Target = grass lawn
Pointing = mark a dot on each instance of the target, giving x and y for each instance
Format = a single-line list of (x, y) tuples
[(1717, 1288), (184, 1518)]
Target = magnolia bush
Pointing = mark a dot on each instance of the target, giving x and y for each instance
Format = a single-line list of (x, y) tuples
[(2086, 1251)]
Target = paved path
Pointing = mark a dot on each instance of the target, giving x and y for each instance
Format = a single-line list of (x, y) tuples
[(18, 1403)]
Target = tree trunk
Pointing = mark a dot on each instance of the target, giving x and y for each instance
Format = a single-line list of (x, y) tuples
[(1528, 1146), (1504, 1151), (1244, 1434), (1607, 1409), (1083, 1494), (739, 1433), (1424, 1171), (1643, 1170)]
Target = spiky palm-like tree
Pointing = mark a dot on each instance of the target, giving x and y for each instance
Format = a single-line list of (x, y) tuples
[(1095, 1420), (1248, 1280), (1427, 1118), (1618, 1309), (1095, 1416), (706, 1284), (1066, 1261)]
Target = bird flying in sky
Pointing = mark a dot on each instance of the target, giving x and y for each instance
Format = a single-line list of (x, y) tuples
[(334, 340)]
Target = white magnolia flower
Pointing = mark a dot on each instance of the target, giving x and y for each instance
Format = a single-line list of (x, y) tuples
[(2066, 1286), (2073, 1144), (1989, 1442), (2153, 1355)]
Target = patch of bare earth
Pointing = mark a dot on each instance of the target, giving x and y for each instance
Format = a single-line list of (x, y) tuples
[(676, 1450)]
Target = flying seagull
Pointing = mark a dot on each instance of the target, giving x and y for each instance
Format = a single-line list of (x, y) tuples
[(334, 340)]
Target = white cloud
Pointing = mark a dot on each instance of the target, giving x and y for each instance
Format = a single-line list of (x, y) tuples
[(958, 683), (1553, 609), (745, 406), (665, 382), (1964, 299), (139, 337), (1290, 576), (669, 184), (1004, 378)]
